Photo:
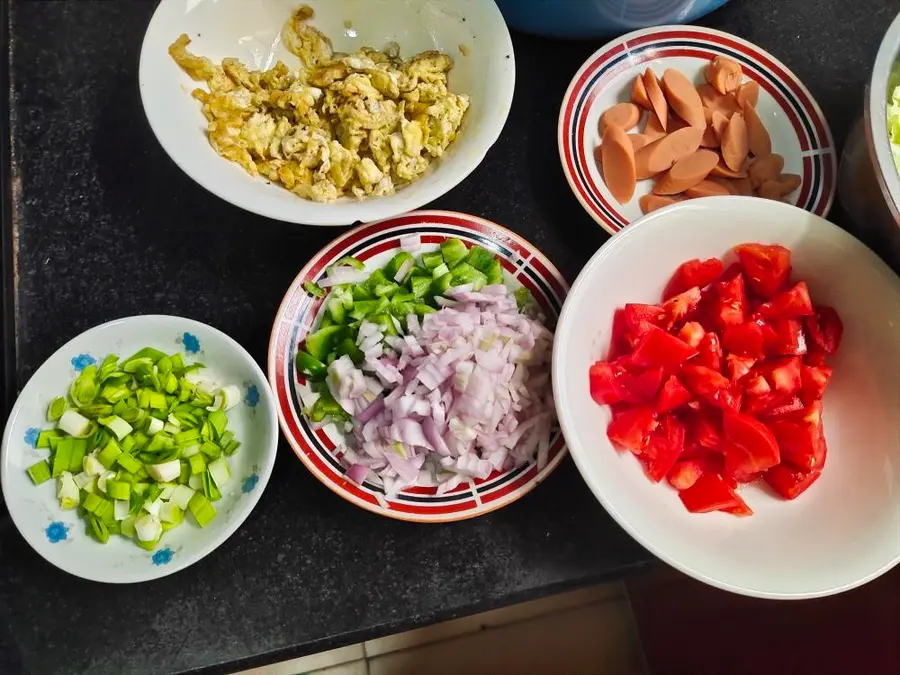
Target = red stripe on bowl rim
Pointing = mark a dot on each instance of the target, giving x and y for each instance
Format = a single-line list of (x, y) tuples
[(760, 66), (295, 317)]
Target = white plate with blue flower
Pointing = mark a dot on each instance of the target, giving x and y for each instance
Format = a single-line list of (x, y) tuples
[(62, 536)]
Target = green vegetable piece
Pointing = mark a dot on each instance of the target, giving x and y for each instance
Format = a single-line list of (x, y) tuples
[(209, 487), (365, 308), (177, 363), (319, 343), (157, 401), (109, 366), (185, 476), (118, 489), (126, 527), (91, 502), (385, 322), (39, 472), (453, 250), (128, 462), (127, 444), (140, 488), (218, 420), (432, 260), (109, 454), (97, 529), (114, 392), (494, 272), (397, 263), (439, 271), (480, 258), (44, 437), (187, 437), (79, 450), (523, 298), (171, 384), (211, 450), (201, 508), (464, 273), (348, 261), (336, 310), (361, 292), (140, 365), (345, 295), (62, 456), (313, 289), (113, 526), (85, 387), (164, 366), (147, 545), (442, 284), (420, 286), (153, 355), (56, 408), (423, 309), (231, 448), (198, 463), (160, 442), (105, 510), (348, 347), (309, 366), (326, 406), (140, 440)]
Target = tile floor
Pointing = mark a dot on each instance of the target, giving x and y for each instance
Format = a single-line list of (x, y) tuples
[(586, 632)]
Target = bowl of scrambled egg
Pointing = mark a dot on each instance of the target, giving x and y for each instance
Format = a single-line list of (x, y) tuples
[(327, 112)]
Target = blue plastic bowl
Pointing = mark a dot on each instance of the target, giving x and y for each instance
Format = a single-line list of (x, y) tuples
[(593, 18)]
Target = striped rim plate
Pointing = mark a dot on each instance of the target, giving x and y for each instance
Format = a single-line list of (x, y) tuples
[(375, 243), (794, 120)]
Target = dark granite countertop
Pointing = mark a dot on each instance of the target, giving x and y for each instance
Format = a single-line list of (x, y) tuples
[(105, 225)]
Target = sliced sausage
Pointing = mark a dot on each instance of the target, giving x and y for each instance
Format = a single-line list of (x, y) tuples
[(707, 188), (618, 164), (622, 115), (747, 93), (719, 122), (663, 153), (724, 74), (657, 98), (780, 187), (730, 185), (726, 104), (638, 141), (683, 98), (767, 167), (735, 144), (686, 173), (743, 186), (639, 94), (721, 170), (710, 137), (653, 129), (676, 123), (651, 202), (758, 137)]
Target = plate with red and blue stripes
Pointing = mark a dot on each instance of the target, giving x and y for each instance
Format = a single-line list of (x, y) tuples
[(794, 120)]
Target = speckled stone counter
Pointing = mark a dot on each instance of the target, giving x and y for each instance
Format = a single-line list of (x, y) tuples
[(105, 225)]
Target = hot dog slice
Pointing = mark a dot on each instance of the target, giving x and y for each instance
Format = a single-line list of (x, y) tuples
[(747, 93), (652, 202), (622, 115), (765, 168), (657, 98), (683, 98), (639, 94), (686, 173), (663, 153), (724, 74), (618, 164), (707, 188), (758, 137), (735, 143)]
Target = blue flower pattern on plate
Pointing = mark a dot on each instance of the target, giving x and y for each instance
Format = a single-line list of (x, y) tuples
[(252, 397), (82, 361), (57, 532), (31, 436), (191, 343), (163, 556), (249, 483)]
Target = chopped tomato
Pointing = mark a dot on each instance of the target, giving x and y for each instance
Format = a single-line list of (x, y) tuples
[(782, 374), (679, 306), (766, 266), (749, 445), (745, 339), (694, 272), (733, 270), (790, 482), (825, 329), (703, 428), (731, 308), (740, 510), (815, 355), (602, 378), (789, 304), (673, 395), (685, 473), (640, 318), (787, 338), (631, 428), (656, 347), (703, 380), (709, 352), (692, 333), (709, 493), (785, 407), (814, 381), (726, 399), (738, 366), (620, 341), (756, 385), (802, 442), (664, 447)]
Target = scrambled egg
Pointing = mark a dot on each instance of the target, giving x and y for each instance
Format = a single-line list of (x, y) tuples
[(356, 125)]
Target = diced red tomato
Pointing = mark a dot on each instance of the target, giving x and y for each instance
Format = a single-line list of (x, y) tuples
[(631, 428), (679, 306), (815, 355), (790, 482), (726, 399), (787, 338), (733, 270), (694, 272), (692, 333), (704, 429), (656, 347), (784, 406), (782, 374), (738, 366), (673, 395), (664, 447), (756, 386), (685, 473), (745, 339), (740, 510), (802, 442), (731, 308), (703, 380), (602, 378), (620, 341), (709, 352), (789, 304), (749, 445), (814, 381), (709, 493), (767, 267), (640, 318), (825, 329)]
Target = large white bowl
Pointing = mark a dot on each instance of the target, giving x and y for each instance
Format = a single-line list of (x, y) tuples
[(472, 32), (846, 529), (59, 536)]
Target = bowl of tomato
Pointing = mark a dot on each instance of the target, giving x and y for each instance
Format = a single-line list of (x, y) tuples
[(726, 377)]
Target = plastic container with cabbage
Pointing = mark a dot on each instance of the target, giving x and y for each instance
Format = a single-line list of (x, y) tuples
[(893, 116)]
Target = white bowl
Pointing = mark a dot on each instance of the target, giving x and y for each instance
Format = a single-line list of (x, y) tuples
[(250, 30), (59, 536), (845, 530)]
